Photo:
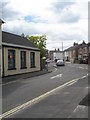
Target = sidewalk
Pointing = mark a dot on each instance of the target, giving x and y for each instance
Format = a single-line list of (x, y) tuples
[(25, 75)]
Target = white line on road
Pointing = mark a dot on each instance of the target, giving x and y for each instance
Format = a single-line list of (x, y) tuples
[(56, 76), (37, 99), (10, 82), (87, 74), (79, 108), (83, 77), (19, 80), (33, 101), (55, 70), (72, 83), (84, 68)]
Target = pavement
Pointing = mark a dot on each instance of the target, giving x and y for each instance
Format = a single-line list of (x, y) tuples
[(27, 75), (36, 73)]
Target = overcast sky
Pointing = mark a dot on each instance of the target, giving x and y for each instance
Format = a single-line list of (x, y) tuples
[(58, 19)]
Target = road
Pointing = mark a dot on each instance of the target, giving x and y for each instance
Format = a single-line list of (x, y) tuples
[(53, 95)]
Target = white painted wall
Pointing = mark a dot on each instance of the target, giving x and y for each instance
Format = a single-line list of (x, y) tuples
[(58, 55), (18, 63)]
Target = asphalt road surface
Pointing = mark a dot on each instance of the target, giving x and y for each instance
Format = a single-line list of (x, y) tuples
[(53, 95)]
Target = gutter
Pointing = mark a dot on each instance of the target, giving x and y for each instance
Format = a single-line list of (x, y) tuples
[(19, 46)]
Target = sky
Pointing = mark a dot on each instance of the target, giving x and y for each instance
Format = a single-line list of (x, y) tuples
[(59, 20)]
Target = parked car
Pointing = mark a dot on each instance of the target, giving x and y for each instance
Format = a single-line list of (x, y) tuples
[(56, 60), (60, 63)]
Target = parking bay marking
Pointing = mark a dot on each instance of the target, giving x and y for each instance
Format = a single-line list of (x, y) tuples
[(35, 100)]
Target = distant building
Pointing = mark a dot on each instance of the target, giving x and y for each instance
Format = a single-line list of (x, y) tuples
[(76, 52), (55, 54), (18, 55), (68, 54), (83, 51)]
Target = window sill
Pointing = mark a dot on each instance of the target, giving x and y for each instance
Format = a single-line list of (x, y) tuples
[(23, 68), (12, 69), (33, 67)]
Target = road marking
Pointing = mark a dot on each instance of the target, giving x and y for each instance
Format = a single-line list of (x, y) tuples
[(72, 83), (77, 67), (35, 100), (12, 81), (55, 70), (19, 79), (83, 77), (56, 76), (77, 109), (81, 67), (87, 74)]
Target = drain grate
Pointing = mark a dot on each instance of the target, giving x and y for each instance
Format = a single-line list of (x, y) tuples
[(86, 100)]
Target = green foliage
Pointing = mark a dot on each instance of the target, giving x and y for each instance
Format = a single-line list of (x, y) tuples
[(40, 42)]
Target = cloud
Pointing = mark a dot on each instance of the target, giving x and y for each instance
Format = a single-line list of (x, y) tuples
[(69, 17), (60, 21), (64, 12), (8, 13), (60, 6)]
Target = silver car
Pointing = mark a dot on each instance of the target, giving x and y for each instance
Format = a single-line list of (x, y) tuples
[(60, 63)]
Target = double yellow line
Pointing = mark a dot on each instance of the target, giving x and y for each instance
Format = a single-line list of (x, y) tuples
[(35, 100)]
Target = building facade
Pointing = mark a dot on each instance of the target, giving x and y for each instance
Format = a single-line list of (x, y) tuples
[(55, 54), (83, 51), (77, 52), (18, 55)]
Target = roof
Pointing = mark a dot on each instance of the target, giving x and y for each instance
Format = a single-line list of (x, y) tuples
[(76, 46), (70, 48), (9, 39), (1, 21)]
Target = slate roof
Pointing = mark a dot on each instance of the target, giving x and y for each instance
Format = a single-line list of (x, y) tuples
[(18, 40), (76, 46), (1, 21)]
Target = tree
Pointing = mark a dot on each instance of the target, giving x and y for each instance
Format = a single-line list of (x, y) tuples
[(40, 42)]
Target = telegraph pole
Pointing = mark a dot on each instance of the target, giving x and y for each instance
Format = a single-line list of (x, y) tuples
[(62, 45)]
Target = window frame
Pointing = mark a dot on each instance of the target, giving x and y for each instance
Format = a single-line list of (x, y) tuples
[(89, 49), (32, 64), (80, 50), (23, 66), (85, 49), (14, 59)]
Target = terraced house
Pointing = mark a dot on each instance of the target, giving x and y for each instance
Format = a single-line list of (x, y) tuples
[(19, 55), (83, 51), (71, 53), (77, 52)]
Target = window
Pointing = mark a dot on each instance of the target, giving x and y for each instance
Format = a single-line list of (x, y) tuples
[(80, 50), (89, 49), (85, 49), (32, 58), (23, 59), (11, 59)]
